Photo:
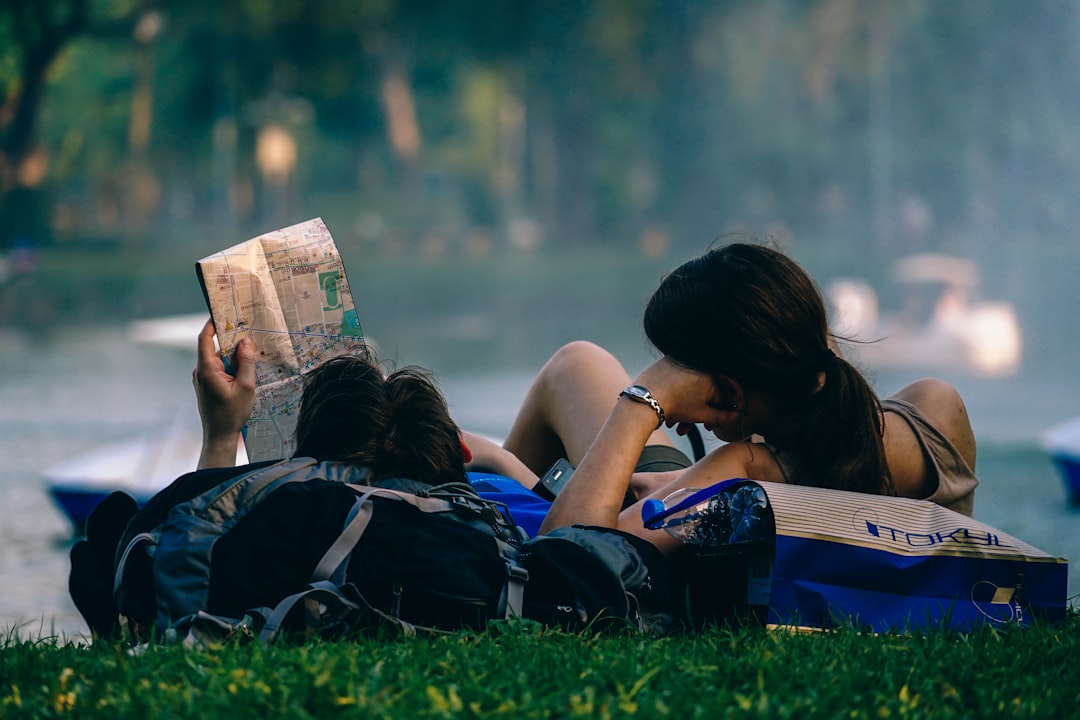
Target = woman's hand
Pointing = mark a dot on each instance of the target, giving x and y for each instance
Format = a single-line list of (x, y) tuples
[(225, 401), (687, 396)]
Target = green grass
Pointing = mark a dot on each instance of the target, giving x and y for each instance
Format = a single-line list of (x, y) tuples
[(518, 670)]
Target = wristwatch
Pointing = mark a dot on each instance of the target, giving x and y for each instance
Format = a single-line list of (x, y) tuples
[(641, 394)]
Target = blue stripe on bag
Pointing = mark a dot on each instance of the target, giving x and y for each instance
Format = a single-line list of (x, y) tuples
[(819, 583)]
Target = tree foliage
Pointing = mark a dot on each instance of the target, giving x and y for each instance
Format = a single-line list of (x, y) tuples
[(887, 126)]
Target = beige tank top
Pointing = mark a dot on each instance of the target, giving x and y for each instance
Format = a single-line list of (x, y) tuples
[(953, 482)]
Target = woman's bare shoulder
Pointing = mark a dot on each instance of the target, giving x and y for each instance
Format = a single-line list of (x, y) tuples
[(937, 399), (741, 459), (940, 404)]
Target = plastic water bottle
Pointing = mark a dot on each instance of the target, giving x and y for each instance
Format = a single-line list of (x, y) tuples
[(750, 516), (698, 518), (726, 513)]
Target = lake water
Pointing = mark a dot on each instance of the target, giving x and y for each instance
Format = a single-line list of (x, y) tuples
[(73, 389)]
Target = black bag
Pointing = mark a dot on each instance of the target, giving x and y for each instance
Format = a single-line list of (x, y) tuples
[(294, 547), (584, 577)]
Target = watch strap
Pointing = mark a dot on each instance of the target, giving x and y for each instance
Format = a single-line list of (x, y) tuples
[(641, 394)]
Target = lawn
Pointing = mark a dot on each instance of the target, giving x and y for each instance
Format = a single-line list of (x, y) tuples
[(520, 670)]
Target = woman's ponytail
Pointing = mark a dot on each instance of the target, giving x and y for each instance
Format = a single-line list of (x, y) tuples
[(847, 455)]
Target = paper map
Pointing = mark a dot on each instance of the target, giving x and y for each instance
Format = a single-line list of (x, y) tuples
[(287, 291)]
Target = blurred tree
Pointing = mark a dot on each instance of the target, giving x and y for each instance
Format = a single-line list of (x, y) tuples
[(837, 124), (32, 36)]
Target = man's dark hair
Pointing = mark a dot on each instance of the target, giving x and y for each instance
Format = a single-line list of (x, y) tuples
[(397, 425)]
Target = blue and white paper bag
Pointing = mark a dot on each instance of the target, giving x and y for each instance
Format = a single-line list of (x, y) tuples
[(892, 563)]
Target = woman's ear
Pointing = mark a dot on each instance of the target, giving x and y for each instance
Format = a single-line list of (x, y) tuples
[(730, 395), (738, 398)]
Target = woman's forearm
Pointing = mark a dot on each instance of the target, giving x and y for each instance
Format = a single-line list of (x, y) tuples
[(595, 493)]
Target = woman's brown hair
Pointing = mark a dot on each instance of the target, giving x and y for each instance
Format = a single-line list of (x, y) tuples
[(750, 313)]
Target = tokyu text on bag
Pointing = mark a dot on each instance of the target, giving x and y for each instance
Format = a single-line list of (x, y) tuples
[(894, 563), (295, 547)]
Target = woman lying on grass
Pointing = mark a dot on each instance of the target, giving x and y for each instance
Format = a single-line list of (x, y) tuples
[(747, 353)]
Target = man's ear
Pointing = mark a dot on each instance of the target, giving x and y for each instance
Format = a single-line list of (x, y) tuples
[(466, 453)]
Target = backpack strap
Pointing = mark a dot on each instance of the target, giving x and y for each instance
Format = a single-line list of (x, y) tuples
[(140, 539), (484, 512), (336, 558), (282, 609), (516, 577), (227, 504), (326, 594)]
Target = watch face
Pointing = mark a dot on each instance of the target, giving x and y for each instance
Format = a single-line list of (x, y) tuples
[(636, 391)]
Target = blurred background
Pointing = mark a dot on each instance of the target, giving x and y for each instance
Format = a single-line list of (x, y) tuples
[(503, 177)]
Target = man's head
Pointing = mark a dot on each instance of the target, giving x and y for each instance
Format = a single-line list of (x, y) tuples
[(398, 424)]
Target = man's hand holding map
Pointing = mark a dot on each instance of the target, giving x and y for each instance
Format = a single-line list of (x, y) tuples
[(287, 291)]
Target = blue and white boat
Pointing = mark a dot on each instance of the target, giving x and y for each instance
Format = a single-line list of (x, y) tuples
[(139, 467), (143, 465), (1062, 444)]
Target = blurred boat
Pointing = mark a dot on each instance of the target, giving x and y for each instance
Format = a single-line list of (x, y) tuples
[(140, 467), (175, 331), (940, 326), (1062, 444), (143, 465)]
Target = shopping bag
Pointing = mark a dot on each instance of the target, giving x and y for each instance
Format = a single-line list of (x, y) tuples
[(887, 563)]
